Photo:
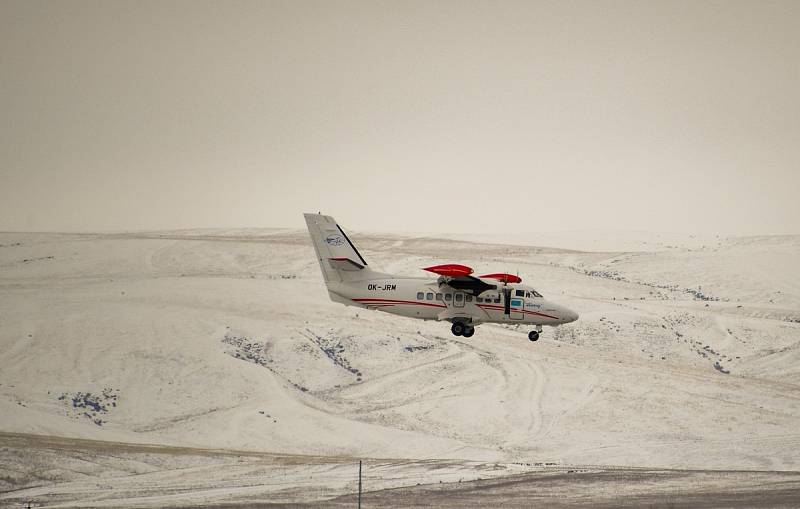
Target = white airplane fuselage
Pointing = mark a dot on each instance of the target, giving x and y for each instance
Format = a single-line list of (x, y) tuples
[(401, 296)]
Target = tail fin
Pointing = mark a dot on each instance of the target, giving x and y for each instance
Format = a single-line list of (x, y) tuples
[(338, 258)]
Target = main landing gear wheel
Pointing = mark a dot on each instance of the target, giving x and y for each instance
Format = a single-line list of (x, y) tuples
[(533, 335), (458, 329), (468, 332)]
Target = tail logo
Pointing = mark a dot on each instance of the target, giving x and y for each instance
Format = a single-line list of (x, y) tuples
[(335, 240)]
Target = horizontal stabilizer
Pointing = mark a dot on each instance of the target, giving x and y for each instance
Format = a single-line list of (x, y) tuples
[(344, 263)]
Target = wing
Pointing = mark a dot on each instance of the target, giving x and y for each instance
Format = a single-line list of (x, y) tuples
[(469, 284), (458, 277)]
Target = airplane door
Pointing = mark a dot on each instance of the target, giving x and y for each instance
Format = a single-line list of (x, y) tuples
[(517, 306), (458, 300)]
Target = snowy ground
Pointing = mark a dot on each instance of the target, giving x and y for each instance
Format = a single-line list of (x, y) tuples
[(66, 472), (686, 356)]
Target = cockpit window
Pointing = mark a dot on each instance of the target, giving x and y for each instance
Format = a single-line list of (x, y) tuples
[(536, 294)]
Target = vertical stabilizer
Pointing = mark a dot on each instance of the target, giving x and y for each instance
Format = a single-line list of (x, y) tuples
[(338, 257)]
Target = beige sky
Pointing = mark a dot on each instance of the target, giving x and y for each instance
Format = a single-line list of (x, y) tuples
[(414, 116)]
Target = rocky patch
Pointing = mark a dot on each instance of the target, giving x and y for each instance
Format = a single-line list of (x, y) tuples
[(88, 405), (247, 349), (257, 352), (698, 294), (333, 348)]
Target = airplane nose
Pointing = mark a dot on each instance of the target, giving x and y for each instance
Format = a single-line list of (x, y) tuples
[(570, 316)]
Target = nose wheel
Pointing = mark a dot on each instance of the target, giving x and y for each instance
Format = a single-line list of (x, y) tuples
[(533, 335)]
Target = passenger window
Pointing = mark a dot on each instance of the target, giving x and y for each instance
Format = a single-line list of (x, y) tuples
[(429, 296), (469, 298), (438, 296), (448, 297), (459, 297), (420, 295), (479, 299), (520, 293)]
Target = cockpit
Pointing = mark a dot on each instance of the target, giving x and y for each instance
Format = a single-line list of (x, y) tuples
[(530, 293)]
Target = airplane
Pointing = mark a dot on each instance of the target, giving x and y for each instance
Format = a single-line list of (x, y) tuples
[(455, 295)]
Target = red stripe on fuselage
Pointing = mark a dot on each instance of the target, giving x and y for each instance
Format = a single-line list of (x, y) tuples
[(378, 302), (392, 301), (501, 308)]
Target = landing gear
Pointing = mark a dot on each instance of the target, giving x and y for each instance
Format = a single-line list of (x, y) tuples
[(462, 329), (534, 334)]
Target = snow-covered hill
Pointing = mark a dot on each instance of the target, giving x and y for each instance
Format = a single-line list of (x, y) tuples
[(685, 356)]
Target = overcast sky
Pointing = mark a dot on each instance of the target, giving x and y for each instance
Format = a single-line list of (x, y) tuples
[(413, 116)]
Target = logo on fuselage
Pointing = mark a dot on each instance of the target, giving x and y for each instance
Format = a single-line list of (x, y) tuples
[(334, 240)]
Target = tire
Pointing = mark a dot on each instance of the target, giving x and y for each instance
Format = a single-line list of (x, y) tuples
[(457, 329), (533, 335), (468, 332)]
